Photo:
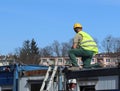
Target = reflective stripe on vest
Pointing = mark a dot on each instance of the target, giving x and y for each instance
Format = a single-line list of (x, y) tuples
[(86, 41)]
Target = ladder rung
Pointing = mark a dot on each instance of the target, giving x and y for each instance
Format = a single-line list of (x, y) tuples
[(49, 78)]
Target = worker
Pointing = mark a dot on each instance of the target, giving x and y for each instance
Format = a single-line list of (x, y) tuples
[(72, 83), (83, 46)]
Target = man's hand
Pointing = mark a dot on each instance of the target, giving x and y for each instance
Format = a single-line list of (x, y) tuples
[(74, 46)]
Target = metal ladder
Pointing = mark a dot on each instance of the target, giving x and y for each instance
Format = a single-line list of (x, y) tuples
[(49, 78)]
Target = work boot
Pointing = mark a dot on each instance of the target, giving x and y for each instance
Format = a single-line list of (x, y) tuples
[(101, 63), (75, 68), (80, 67)]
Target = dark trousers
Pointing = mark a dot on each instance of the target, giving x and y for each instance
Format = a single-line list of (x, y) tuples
[(86, 56)]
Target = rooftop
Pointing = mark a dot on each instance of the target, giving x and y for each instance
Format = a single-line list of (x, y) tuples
[(93, 72)]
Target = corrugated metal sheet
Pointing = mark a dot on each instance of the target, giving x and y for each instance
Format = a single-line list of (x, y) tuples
[(6, 78), (100, 83), (107, 82)]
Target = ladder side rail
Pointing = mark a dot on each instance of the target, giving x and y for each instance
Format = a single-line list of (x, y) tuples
[(52, 77), (45, 79)]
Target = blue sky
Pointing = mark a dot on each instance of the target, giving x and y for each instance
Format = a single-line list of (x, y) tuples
[(49, 20)]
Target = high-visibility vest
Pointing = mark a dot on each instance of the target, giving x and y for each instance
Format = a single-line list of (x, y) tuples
[(88, 42)]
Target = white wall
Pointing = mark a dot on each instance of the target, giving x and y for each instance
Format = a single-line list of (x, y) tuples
[(107, 82), (101, 83), (0, 89), (23, 82)]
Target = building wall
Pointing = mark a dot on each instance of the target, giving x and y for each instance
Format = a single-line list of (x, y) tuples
[(58, 61), (6, 88), (108, 82), (100, 83), (108, 61), (24, 85)]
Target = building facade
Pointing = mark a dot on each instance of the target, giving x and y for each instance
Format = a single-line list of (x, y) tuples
[(108, 60)]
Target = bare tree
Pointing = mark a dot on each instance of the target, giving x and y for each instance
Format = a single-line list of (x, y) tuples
[(46, 51), (117, 45), (65, 47), (96, 40), (56, 48), (111, 44), (107, 44)]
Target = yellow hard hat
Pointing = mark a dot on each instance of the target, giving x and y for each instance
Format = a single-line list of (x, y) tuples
[(77, 25)]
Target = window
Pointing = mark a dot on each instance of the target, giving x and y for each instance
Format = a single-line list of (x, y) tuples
[(118, 60), (60, 60), (44, 60), (87, 88), (107, 60), (35, 87), (52, 61), (67, 62), (7, 90), (92, 60)]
